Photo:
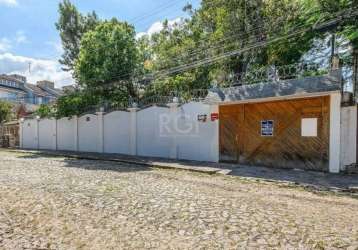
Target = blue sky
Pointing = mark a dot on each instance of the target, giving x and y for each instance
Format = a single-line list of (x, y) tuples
[(28, 33)]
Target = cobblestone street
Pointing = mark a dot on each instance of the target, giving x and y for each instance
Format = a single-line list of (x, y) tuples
[(60, 203)]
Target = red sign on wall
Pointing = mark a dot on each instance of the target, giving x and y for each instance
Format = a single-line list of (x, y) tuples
[(214, 117)]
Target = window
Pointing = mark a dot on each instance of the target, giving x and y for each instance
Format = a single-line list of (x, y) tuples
[(39, 100), (309, 127)]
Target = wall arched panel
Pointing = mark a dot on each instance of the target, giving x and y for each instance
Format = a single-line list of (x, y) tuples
[(88, 133), (66, 134), (117, 132), (153, 132), (47, 134), (29, 134)]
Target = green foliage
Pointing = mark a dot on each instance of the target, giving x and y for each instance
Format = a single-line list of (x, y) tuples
[(72, 25), (104, 54), (218, 26), (75, 103), (5, 111), (108, 55), (46, 111)]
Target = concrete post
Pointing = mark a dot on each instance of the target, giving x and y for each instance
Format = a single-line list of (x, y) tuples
[(336, 63), (174, 119), (75, 132), (215, 146), (38, 132), (100, 145), (335, 133), (21, 132), (133, 130), (54, 135)]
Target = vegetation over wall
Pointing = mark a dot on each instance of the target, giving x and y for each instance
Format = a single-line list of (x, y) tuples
[(218, 40), (5, 111)]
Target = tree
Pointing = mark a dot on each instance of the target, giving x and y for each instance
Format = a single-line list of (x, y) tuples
[(72, 25), (5, 111), (217, 27), (107, 61), (75, 103), (46, 111)]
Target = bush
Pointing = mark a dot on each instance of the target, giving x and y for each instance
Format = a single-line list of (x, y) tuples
[(5, 111)]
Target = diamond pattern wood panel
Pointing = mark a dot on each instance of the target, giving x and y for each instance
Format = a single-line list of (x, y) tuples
[(241, 140)]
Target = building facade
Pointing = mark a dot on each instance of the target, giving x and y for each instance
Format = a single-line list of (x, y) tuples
[(15, 88)]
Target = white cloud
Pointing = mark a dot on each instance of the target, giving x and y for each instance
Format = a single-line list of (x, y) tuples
[(40, 69), (9, 2), (5, 44), (158, 26), (20, 37)]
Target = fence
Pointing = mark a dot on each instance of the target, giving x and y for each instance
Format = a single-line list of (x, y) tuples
[(171, 131)]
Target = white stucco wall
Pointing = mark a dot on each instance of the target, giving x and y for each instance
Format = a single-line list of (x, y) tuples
[(29, 134), (335, 133), (348, 136), (66, 134), (117, 132), (151, 141), (88, 133), (47, 134), (168, 132), (197, 140)]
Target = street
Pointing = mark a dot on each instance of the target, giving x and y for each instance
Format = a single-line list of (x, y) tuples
[(61, 203)]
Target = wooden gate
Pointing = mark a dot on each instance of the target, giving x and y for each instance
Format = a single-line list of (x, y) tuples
[(270, 134)]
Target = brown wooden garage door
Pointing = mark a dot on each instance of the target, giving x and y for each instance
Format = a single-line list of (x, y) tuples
[(243, 138)]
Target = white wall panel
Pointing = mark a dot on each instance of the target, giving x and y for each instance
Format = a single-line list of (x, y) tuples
[(117, 132), (173, 132), (197, 140), (29, 133), (152, 138), (66, 134), (88, 133), (47, 134)]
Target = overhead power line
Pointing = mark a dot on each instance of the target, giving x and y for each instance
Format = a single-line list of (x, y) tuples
[(213, 59), (218, 45)]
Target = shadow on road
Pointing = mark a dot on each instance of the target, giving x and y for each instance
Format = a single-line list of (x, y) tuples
[(325, 180), (88, 164), (125, 163)]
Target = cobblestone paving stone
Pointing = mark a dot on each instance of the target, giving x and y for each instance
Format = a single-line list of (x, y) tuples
[(58, 203)]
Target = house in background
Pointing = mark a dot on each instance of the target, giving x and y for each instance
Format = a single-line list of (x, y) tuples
[(15, 88), (12, 87)]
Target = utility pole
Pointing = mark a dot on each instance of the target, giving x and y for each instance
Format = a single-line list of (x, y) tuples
[(355, 73), (333, 45)]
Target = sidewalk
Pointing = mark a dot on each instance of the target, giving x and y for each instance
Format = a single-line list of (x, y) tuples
[(308, 179)]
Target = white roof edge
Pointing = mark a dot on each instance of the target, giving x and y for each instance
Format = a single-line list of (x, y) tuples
[(279, 98)]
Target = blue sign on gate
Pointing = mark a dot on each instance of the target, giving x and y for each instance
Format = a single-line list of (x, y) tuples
[(267, 127)]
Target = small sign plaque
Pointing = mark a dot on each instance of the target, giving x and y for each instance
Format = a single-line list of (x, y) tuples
[(267, 127), (214, 117), (202, 118)]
